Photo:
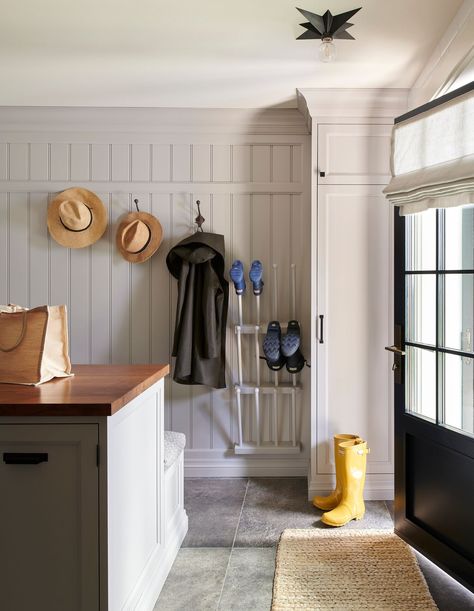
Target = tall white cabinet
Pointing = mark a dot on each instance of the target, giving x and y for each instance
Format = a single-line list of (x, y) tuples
[(351, 252)]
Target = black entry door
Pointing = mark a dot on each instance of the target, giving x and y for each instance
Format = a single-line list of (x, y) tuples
[(434, 386)]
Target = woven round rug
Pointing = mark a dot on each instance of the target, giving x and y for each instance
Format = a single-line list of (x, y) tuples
[(347, 570)]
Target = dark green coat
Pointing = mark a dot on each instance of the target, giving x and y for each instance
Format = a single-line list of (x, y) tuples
[(197, 262)]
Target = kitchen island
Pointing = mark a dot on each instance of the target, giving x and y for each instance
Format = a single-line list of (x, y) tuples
[(84, 518)]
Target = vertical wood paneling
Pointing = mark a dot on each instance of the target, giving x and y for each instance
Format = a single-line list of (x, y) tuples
[(101, 306), (4, 254), (80, 291), (121, 312), (161, 331), (181, 164), (296, 164), (100, 169), (281, 234), (201, 162), (39, 161), (261, 249), (241, 163), (19, 161), (3, 160), (181, 418), (80, 162), (242, 249), (140, 306), (120, 289), (281, 163), (59, 155), (221, 163), (39, 251), (140, 162), (261, 163), (59, 274), (19, 249), (121, 162), (223, 425), (161, 163)]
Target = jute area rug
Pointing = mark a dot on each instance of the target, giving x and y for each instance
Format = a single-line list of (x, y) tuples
[(347, 570)]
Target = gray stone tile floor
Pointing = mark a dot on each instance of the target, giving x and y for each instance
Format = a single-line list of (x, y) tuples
[(227, 559)]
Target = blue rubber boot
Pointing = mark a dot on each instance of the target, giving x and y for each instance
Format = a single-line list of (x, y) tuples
[(271, 346), (237, 275), (255, 275), (290, 347)]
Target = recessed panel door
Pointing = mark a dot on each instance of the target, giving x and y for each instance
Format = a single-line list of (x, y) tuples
[(49, 518)]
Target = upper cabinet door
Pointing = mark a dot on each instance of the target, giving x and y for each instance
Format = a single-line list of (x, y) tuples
[(353, 154)]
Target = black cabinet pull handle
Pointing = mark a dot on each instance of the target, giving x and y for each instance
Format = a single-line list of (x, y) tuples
[(322, 174), (321, 328), (24, 458)]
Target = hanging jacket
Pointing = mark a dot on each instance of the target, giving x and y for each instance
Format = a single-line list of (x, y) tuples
[(197, 262)]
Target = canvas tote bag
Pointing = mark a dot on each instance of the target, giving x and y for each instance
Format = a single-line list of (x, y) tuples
[(33, 344)]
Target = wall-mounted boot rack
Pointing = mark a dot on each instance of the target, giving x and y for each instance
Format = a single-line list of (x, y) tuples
[(278, 390)]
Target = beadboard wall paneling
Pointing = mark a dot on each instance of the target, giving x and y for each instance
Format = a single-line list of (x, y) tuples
[(253, 188)]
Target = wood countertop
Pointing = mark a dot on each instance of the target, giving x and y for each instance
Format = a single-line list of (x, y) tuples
[(94, 390)]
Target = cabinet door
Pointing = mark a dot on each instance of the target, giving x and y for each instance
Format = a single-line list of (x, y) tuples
[(354, 154), (49, 517), (354, 285)]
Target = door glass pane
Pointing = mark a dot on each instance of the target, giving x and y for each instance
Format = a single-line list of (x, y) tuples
[(420, 382), (421, 308), (458, 319), (458, 382), (458, 252), (420, 241)]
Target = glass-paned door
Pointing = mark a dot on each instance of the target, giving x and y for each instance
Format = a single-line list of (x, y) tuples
[(434, 385), (439, 316)]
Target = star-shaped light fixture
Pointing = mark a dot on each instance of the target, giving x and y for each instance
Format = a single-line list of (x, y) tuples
[(327, 27)]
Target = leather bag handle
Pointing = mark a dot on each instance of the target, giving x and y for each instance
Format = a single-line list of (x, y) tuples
[(20, 337)]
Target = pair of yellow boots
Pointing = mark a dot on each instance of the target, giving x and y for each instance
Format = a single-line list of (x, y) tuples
[(346, 502)]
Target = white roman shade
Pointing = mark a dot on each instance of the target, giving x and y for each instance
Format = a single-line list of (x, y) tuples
[(432, 158)]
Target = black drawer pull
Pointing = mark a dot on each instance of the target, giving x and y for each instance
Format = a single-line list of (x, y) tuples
[(24, 458)]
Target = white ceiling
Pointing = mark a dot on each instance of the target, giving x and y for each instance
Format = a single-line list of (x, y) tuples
[(212, 53)]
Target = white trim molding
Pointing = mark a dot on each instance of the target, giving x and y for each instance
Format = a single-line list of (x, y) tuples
[(447, 58), (223, 463), (149, 121), (345, 104)]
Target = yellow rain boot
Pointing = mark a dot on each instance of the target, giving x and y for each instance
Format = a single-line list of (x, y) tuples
[(326, 503), (353, 456)]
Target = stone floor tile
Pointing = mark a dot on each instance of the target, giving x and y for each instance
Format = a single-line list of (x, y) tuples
[(249, 581), (213, 507), (195, 581)]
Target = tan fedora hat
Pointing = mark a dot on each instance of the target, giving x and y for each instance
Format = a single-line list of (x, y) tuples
[(139, 236), (76, 218)]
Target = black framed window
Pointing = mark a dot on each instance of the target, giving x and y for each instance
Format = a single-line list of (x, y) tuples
[(439, 316)]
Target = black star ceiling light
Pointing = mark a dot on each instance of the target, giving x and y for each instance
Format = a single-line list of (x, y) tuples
[(326, 28)]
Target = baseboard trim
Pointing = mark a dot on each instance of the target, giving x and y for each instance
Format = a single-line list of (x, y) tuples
[(221, 463), (159, 566), (378, 487)]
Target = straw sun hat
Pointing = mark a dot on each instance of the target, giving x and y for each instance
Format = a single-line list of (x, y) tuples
[(76, 218), (139, 236)]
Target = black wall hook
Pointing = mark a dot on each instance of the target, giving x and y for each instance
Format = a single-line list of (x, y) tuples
[(135, 201), (199, 220)]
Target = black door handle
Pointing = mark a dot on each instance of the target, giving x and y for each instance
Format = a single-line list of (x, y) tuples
[(24, 458), (321, 328)]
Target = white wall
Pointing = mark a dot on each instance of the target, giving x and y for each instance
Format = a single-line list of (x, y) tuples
[(251, 173)]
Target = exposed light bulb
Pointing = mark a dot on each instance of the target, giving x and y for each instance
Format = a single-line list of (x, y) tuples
[(327, 50)]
